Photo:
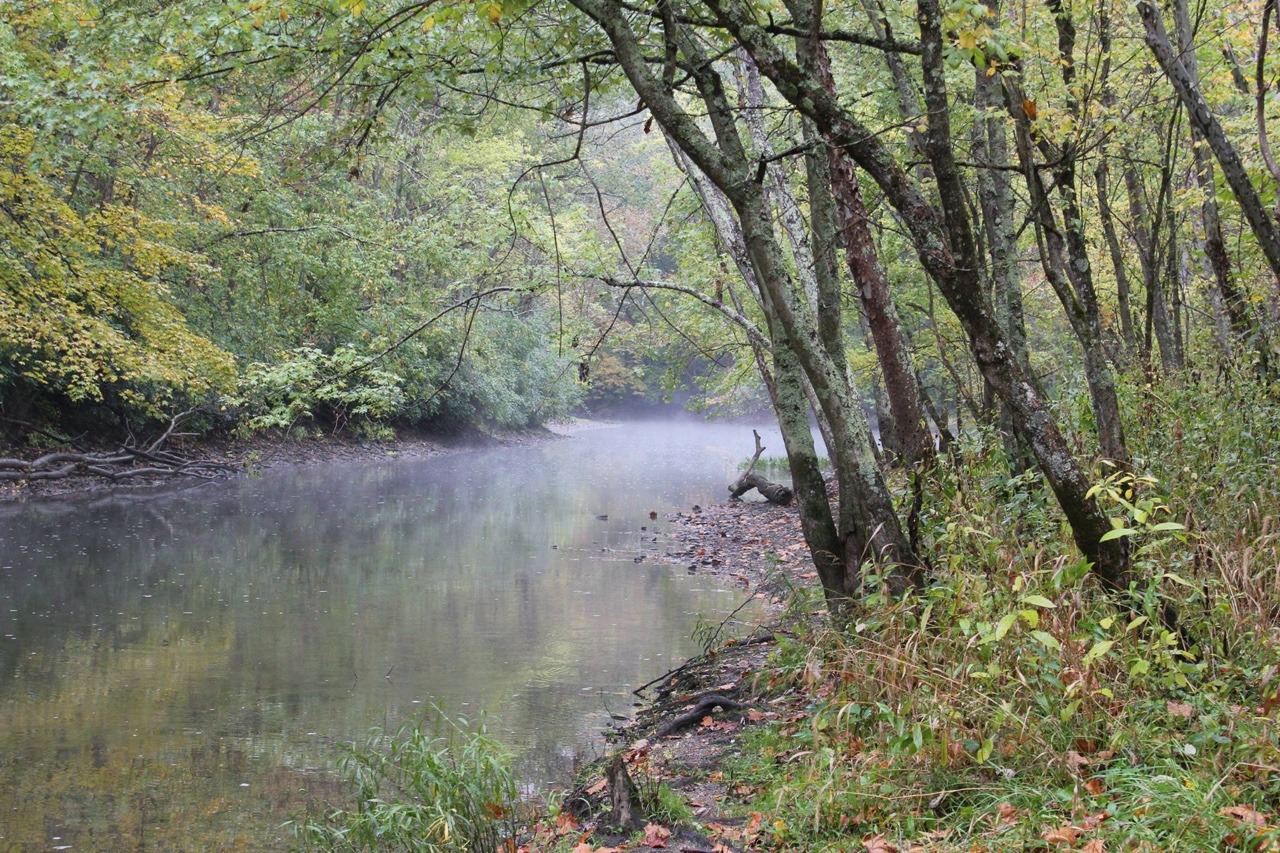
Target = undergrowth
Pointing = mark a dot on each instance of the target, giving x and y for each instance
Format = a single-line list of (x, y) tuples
[(1013, 705)]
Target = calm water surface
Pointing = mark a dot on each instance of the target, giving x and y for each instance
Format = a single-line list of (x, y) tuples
[(176, 669)]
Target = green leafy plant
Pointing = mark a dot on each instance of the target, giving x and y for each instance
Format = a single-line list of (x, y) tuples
[(337, 388)]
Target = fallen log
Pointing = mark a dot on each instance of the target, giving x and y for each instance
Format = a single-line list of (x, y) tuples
[(773, 492)]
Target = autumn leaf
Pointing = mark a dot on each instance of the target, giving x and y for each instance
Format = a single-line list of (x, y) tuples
[(1245, 814), (1095, 786), (1062, 835), (1181, 709), (878, 844), (1094, 846), (1029, 109), (656, 835), (1008, 814)]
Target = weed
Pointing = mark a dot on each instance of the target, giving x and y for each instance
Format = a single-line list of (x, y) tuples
[(418, 791)]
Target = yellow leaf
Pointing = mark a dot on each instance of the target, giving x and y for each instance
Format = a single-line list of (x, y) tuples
[(429, 24), (968, 40), (495, 13), (357, 8)]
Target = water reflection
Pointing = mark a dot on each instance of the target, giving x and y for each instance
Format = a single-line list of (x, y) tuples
[(174, 672)]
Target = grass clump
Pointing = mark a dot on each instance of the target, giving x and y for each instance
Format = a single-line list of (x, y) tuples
[(423, 791)]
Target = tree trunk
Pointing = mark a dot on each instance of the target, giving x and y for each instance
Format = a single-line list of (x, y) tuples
[(1206, 123), (945, 245)]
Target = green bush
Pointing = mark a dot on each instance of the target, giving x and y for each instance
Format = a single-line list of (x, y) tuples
[(336, 389)]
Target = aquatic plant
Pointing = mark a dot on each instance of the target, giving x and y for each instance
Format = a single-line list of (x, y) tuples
[(423, 791)]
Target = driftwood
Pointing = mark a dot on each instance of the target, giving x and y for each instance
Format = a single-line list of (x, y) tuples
[(129, 460), (749, 480)]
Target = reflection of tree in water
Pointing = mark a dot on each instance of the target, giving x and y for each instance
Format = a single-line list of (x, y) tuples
[(328, 600)]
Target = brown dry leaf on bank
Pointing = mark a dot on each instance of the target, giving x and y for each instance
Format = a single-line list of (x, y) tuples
[(1062, 835), (1007, 814), (1181, 709), (1075, 761), (656, 835), (719, 830), (1245, 814), (1094, 846), (878, 844)]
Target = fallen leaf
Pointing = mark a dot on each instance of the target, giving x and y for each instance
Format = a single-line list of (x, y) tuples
[(1008, 814), (584, 847), (1181, 709), (1094, 846), (656, 835), (565, 823), (1095, 786), (1062, 835), (719, 830), (598, 787), (1245, 814), (878, 844)]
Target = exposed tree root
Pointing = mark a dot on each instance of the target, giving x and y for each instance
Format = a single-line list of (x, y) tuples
[(131, 460)]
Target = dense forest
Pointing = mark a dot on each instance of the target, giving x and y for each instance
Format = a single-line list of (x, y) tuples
[(1020, 263)]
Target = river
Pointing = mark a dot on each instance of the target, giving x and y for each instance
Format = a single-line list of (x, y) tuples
[(178, 668)]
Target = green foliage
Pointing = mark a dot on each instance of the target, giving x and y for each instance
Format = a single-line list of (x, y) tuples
[(418, 791), (83, 308), (338, 389)]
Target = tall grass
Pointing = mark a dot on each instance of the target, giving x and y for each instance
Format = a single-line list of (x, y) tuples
[(421, 791)]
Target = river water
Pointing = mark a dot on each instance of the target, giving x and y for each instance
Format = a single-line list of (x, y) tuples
[(177, 669)]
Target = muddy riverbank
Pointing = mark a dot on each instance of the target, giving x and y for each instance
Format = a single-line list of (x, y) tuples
[(692, 724)]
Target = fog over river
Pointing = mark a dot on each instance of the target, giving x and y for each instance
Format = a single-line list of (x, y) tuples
[(176, 669)]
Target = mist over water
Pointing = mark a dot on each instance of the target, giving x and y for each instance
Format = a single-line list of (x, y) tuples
[(175, 670)]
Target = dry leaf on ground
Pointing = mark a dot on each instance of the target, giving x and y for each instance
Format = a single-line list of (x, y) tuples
[(656, 835)]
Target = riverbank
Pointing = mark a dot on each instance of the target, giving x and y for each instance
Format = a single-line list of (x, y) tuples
[(237, 457), (679, 750)]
